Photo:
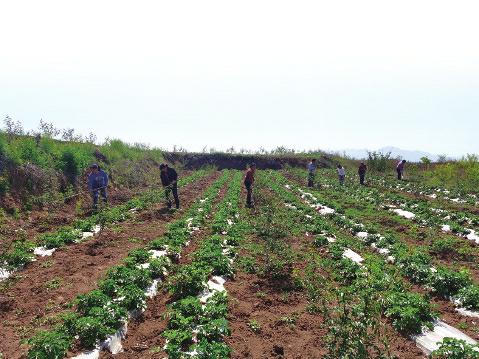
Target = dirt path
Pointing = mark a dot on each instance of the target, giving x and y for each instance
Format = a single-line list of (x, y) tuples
[(47, 285)]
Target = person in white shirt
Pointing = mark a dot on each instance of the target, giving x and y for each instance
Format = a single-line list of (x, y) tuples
[(341, 174), (312, 166)]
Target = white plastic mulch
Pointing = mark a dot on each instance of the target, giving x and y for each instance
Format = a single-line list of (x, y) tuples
[(429, 340), (403, 213)]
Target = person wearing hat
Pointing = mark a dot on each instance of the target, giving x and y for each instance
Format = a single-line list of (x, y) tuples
[(362, 173), (97, 184), (248, 182), (169, 180)]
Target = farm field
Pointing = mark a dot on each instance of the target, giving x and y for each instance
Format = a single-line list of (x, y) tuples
[(376, 271)]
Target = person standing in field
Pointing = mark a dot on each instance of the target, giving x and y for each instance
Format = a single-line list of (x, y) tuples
[(400, 169), (97, 184), (169, 180), (341, 174), (312, 166), (362, 173), (249, 182)]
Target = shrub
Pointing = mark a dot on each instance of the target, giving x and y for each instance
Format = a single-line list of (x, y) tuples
[(48, 345), (188, 280), (409, 312), (446, 282), (21, 254), (469, 297), (215, 350), (451, 348), (90, 330)]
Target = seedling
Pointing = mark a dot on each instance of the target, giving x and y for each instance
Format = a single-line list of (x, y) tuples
[(254, 326)]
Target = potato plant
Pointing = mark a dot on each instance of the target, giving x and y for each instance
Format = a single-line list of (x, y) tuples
[(102, 311)]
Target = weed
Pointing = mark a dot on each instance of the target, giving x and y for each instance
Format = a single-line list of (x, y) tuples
[(254, 326), (53, 284)]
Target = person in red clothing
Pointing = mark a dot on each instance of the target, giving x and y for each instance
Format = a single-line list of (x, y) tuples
[(400, 169), (248, 182), (362, 172)]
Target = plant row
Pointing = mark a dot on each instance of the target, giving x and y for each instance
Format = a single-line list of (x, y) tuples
[(424, 213), (415, 263), (23, 251), (408, 312), (452, 195), (197, 319), (124, 289)]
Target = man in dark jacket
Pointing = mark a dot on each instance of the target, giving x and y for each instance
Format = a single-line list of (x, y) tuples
[(248, 182), (169, 180), (97, 184), (362, 172)]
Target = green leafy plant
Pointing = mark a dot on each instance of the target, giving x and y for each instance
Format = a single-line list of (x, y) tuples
[(451, 348), (48, 345)]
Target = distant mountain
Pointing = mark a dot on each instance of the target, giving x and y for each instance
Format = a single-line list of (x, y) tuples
[(413, 156)]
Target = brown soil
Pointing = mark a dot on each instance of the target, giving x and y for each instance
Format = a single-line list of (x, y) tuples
[(38, 221), (254, 301), (77, 268)]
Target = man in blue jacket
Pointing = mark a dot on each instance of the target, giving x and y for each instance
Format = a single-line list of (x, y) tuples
[(97, 184)]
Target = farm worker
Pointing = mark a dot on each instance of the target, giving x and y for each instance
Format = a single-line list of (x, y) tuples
[(341, 174), (362, 172), (169, 180), (312, 166), (97, 184), (248, 182), (400, 169)]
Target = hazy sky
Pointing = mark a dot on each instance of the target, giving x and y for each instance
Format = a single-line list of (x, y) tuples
[(318, 74)]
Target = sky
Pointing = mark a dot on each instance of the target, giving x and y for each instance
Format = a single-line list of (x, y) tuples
[(247, 74)]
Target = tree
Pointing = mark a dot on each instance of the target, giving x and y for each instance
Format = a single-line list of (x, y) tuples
[(12, 128), (442, 159), (426, 162), (378, 161)]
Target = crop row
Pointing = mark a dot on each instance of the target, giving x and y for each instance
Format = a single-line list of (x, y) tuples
[(454, 196), (430, 214), (23, 252), (418, 210), (197, 322), (99, 317), (415, 264), (409, 312)]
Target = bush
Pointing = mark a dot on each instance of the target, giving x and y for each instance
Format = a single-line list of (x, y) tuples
[(469, 297), (3, 185), (409, 312), (451, 348), (90, 330), (48, 345), (446, 282), (188, 280)]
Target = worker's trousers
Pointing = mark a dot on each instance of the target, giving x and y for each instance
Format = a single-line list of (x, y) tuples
[(249, 195), (361, 178), (96, 194), (399, 174), (310, 179), (172, 188)]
